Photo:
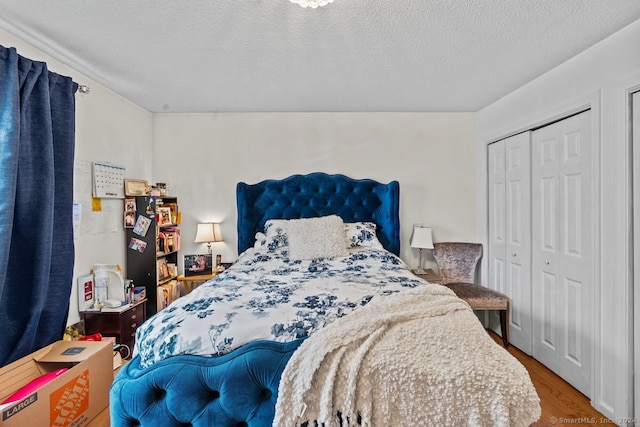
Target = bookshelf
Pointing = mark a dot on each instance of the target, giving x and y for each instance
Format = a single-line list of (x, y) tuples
[(153, 244)]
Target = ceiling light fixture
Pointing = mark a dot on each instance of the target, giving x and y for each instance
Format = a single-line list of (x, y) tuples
[(312, 3)]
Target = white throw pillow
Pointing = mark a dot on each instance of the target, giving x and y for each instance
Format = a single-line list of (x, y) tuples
[(313, 238)]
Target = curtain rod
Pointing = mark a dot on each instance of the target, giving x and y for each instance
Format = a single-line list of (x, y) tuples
[(83, 89)]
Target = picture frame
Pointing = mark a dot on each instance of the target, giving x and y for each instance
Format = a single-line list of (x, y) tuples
[(129, 212), (195, 265), (164, 216), (162, 188), (86, 292), (129, 204), (175, 214), (163, 269), (136, 187), (129, 219)]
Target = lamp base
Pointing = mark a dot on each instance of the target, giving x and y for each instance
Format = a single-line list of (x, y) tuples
[(419, 269)]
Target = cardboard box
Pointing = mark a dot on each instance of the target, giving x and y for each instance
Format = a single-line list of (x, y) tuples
[(71, 399)]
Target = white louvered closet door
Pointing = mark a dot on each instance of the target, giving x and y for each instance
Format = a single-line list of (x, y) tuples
[(562, 273), (509, 249)]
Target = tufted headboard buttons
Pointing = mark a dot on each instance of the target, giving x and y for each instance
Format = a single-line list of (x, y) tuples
[(319, 194)]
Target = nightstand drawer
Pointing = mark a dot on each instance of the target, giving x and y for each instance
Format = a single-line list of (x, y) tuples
[(130, 320), (121, 325)]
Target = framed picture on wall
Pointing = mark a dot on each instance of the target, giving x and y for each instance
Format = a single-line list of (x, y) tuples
[(194, 265), (136, 187)]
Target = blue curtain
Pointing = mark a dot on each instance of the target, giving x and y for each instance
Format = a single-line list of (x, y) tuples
[(37, 133)]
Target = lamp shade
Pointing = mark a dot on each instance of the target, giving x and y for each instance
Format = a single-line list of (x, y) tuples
[(422, 238), (208, 232)]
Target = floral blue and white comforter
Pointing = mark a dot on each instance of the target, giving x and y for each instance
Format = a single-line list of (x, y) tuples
[(264, 295)]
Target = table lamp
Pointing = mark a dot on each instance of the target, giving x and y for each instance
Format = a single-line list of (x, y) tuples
[(421, 239), (208, 232)]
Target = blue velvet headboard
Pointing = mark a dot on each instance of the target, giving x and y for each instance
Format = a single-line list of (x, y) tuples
[(319, 194)]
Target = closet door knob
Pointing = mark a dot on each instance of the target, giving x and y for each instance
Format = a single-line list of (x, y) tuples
[(546, 261), (514, 254)]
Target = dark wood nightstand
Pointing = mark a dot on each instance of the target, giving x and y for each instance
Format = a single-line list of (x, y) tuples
[(429, 275), (119, 324)]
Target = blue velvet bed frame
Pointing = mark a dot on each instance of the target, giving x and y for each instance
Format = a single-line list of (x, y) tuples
[(240, 388)]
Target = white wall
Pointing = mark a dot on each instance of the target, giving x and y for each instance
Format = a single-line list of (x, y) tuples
[(203, 156), (108, 129), (600, 78)]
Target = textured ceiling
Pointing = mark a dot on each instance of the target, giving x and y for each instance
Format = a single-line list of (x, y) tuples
[(351, 55)]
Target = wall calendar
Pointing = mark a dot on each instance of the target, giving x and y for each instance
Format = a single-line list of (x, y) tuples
[(108, 181)]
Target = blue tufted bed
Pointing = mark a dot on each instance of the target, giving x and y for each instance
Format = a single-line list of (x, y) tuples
[(240, 388), (216, 357)]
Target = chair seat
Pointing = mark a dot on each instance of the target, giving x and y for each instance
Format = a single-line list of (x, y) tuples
[(457, 262), (480, 297)]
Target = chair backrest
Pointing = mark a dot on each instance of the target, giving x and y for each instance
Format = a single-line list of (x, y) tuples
[(457, 261)]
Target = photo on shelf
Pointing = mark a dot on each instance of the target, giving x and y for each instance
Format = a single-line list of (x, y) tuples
[(195, 265), (174, 211), (163, 269), (164, 216)]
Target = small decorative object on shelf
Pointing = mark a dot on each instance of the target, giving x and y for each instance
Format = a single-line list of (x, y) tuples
[(219, 267), (162, 188)]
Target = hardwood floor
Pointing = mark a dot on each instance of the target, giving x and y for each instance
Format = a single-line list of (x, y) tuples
[(102, 420), (562, 405)]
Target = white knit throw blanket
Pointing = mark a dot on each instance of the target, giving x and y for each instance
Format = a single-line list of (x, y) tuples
[(415, 358)]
